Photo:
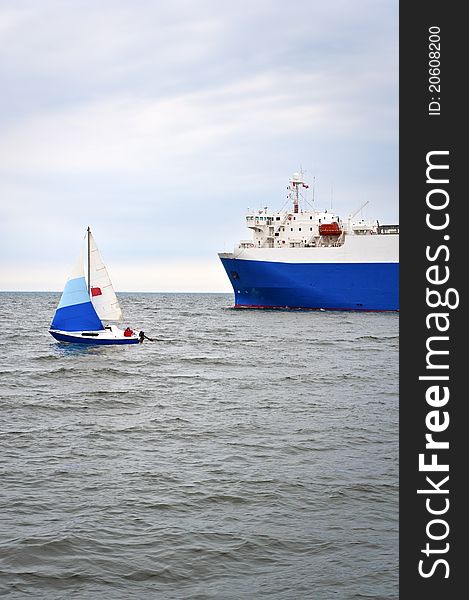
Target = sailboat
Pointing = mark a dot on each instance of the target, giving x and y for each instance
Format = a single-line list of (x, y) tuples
[(89, 303)]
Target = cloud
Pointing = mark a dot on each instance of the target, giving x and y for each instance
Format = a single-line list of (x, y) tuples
[(168, 120), (134, 134)]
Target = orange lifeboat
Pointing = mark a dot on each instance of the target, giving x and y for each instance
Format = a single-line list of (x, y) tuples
[(329, 229)]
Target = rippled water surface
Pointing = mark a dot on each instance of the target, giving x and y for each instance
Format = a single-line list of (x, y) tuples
[(241, 455)]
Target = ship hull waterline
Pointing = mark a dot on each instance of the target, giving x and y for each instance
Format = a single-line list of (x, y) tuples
[(314, 286)]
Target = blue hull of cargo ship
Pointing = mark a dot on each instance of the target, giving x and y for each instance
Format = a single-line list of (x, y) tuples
[(328, 286)]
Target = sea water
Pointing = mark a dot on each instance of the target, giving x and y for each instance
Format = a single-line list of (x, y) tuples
[(242, 454)]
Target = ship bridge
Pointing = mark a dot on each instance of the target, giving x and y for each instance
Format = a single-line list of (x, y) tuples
[(293, 229), (303, 228)]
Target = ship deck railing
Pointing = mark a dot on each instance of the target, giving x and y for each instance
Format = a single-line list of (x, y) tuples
[(388, 229)]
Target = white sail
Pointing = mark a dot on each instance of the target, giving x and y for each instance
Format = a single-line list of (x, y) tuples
[(78, 267), (102, 293)]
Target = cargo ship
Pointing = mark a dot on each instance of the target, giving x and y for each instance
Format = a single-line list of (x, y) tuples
[(311, 259)]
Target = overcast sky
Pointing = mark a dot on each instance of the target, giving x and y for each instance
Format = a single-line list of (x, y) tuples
[(158, 123)]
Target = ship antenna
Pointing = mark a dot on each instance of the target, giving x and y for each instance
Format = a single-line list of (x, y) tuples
[(295, 182)]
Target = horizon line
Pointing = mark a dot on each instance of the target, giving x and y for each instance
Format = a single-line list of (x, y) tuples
[(117, 292)]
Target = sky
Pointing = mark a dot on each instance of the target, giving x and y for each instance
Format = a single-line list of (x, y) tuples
[(158, 124)]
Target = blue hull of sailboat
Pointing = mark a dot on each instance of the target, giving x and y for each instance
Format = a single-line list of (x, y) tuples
[(74, 339)]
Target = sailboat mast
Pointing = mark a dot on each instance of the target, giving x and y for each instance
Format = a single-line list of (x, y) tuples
[(89, 283)]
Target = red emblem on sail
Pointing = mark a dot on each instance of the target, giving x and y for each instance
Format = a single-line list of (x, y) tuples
[(95, 291)]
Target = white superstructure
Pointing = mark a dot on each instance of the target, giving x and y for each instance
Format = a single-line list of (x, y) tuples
[(299, 228)]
